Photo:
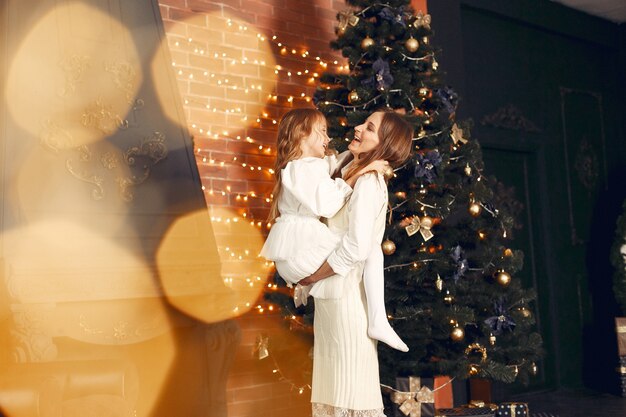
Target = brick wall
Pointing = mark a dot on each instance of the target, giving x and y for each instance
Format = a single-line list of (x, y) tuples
[(240, 64)]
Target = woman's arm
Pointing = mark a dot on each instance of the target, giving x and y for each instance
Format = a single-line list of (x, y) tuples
[(324, 271), (367, 200)]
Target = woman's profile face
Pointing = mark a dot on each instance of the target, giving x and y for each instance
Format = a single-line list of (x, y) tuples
[(366, 135)]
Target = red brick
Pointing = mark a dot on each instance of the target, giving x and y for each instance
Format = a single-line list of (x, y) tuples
[(275, 3), (327, 14), (180, 4), (338, 4), (306, 8), (254, 6), (306, 29), (326, 4), (207, 144), (188, 17), (180, 58), (173, 28), (206, 90), (271, 23), (203, 6), (216, 199), (248, 70), (288, 15), (183, 87)]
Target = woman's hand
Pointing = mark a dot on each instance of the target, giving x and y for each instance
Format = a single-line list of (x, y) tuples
[(324, 271), (379, 165)]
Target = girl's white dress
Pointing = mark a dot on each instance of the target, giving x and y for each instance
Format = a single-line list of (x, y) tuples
[(299, 242), (345, 364)]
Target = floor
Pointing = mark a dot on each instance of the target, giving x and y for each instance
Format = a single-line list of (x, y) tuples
[(574, 403)]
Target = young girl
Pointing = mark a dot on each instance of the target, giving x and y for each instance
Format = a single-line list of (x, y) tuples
[(299, 243)]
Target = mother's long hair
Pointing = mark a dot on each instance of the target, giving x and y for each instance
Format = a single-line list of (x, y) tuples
[(395, 136), (294, 126)]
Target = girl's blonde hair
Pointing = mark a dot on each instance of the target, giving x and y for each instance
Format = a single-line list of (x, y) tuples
[(396, 138), (294, 126)]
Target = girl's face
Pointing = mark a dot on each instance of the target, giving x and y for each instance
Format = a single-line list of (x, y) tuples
[(316, 143), (366, 135)]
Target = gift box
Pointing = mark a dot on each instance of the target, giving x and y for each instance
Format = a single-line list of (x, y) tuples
[(465, 412), (620, 329), (418, 397), (512, 410)]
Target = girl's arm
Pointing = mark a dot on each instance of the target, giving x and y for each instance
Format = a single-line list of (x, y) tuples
[(380, 166), (310, 183), (366, 203)]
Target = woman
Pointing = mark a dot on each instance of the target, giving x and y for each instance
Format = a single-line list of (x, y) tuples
[(345, 363)]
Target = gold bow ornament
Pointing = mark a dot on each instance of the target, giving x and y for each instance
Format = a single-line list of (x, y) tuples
[(346, 18), (410, 403), (422, 20), (422, 225), (457, 135)]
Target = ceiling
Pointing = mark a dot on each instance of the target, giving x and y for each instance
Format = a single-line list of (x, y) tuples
[(614, 10)]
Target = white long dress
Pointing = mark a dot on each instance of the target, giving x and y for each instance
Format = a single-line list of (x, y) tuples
[(346, 379)]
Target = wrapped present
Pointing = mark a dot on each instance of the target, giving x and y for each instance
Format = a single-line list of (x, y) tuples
[(465, 412), (443, 389), (512, 410), (620, 329), (416, 397)]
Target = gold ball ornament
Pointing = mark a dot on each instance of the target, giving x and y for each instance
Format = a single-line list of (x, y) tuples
[(435, 65), (411, 44), (457, 334), (353, 97), (492, 339), (474, 209), (423, 91), (502, 277), (473, 370), (508, 252), (388, 247), (367, 42), (426, 222)]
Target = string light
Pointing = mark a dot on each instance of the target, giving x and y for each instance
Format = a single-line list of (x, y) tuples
[(299, 388)]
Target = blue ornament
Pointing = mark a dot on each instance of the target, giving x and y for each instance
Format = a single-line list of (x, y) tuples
[(382, 77), (460, 261), (501, 320), (426, 165), (389, 14)]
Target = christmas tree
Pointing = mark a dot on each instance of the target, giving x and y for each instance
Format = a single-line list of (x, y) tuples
[(451, 291)]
